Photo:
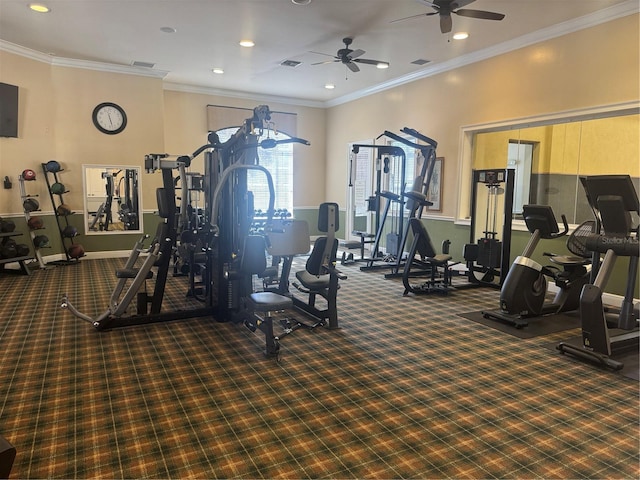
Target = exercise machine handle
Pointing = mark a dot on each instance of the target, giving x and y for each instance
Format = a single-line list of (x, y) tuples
[(565, 228), (272, 142), (186, 159), (416, 134)]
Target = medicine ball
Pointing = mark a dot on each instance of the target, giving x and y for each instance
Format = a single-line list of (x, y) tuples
[(7, 226), (8, 250), (76, 251), (52, 166), (35, 223), (69, 231), (63, 210), (28, 175), (31, 205), (22, 250), (41, 241), (57, 188)]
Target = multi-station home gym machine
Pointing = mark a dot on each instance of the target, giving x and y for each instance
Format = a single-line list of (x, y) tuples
[(397, 239), (227, 248), (123, 186)]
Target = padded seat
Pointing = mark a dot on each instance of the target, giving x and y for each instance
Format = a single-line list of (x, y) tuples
[(313, 282), (269, 302)]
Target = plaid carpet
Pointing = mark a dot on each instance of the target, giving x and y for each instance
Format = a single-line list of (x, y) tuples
[(405, 389)]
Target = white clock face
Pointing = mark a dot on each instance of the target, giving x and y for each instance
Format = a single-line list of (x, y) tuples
[(109, 118)]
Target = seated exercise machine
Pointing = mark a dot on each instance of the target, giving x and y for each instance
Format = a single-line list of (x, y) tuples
[(320, 277), (614, 199), (523, 292), (431, 264), (284, 240)]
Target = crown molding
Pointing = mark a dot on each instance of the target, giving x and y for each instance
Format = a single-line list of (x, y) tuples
[(179, 87), (81, 64), (24, 52), (108, 67), (624, 9)]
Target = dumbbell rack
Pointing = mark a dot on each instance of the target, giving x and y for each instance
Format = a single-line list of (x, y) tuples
[(21, 260), (57, 199), (27, 215)]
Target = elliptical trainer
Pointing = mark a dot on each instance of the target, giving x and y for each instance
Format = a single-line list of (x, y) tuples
[(523, 292)]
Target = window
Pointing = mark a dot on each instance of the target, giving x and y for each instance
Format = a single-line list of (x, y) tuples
[(279, 162)]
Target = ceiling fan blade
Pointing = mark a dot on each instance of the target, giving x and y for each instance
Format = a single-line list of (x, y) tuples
[(353, 67), (446, 24), (368, 61), (412, 16), (356, 53), (323, 63), (320, 53), (479, 14)]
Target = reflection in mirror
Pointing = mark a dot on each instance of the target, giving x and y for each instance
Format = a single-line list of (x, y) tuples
[(112, 199), (549, 159)]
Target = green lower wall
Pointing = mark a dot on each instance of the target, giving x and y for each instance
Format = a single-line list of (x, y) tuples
[(439, 230)]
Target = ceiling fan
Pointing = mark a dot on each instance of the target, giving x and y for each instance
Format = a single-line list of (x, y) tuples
[(444, 8), (350, 58)]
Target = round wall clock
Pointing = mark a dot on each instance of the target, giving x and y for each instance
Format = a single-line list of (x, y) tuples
[(109, 118)]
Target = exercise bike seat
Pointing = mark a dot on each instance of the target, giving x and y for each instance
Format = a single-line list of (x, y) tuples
[(569, 260)]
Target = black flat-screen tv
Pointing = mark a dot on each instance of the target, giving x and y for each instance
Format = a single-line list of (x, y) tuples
[(8, 110)]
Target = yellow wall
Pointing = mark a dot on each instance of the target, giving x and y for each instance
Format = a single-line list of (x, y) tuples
[(592, 67), (36, 142), (602, 146)]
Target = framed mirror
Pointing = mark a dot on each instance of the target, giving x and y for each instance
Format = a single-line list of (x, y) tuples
[(549, 155), (112, 202)]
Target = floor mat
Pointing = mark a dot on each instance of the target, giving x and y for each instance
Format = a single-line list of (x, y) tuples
[(630, 359), (537, 326)]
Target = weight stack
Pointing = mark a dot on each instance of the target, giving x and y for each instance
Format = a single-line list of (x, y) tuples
[(393, 240), (489, 252)]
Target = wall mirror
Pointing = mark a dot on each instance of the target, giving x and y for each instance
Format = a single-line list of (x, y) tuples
[(550, 155), (112, 199)]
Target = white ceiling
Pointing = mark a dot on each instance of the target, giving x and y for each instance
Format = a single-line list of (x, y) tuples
[(116, 33)]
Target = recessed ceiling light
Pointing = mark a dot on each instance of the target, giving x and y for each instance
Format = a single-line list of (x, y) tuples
[(218, 71), (301, 2), (168, 29), (246, 43), (40, 8), (329, 86), (382, 65), (460, 35)]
